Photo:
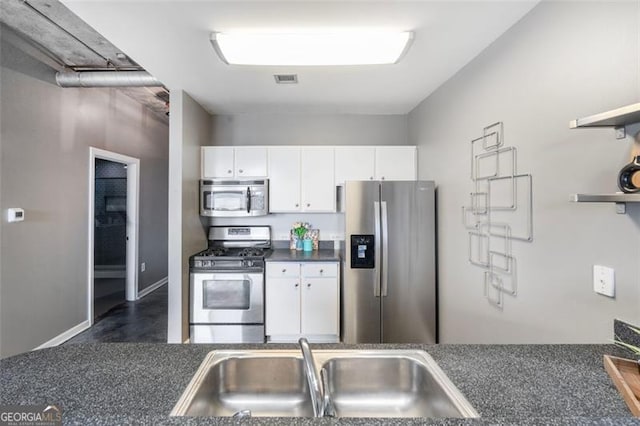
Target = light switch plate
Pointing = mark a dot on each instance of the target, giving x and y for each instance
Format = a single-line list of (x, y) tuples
[(604, 280)]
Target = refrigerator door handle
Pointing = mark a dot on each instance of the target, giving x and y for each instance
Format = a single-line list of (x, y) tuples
[(376, 248), (385, 250)]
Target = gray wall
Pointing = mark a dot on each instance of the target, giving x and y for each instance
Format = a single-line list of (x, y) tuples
[(560, 62), (190, 129), (309, 129), (46, 132)]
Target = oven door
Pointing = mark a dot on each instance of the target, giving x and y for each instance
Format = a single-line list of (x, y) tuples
[(227, 298), (234, 198)]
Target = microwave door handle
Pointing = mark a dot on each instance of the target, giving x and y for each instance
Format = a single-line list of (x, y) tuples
[(248, 199)]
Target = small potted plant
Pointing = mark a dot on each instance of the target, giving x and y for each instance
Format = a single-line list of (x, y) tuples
[(299, 231)]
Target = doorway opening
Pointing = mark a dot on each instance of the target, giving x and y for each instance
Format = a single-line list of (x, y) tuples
[(113, 231), (110, 236)]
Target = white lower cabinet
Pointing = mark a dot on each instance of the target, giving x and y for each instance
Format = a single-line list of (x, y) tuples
[(302, 299)]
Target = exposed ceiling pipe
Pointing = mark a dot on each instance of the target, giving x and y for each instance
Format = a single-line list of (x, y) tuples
[(106, 79)]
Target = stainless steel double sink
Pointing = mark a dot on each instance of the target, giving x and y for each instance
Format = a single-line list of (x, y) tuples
[(361, 383)]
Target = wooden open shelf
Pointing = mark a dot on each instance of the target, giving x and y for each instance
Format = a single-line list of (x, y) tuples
[(626, 376)]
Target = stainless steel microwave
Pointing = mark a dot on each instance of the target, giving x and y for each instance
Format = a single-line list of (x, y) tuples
[(234, 198)]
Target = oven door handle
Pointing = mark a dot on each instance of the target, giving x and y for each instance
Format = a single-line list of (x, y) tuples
[(248, 199)]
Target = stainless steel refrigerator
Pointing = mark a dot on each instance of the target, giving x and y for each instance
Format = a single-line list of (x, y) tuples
[(389, 287)]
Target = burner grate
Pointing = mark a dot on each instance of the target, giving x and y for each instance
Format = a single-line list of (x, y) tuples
[(252, 252), (216, 251)]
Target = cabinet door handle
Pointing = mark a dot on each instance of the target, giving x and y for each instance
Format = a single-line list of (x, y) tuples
[(228, 171), (370, 177), (284, 270), (308, 205), (296, 285), (240, 171), (297, 205), (321, 270), (308, 284), (382, 177)]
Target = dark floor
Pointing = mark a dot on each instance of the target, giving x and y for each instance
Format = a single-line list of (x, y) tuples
[(108, 293), (142, 321)]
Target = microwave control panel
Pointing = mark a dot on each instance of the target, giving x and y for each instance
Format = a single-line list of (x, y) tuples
[(362, 251)]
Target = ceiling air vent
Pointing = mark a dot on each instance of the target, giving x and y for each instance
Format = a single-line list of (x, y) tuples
[(286, 78)]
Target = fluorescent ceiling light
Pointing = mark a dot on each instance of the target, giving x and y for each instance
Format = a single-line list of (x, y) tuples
[(338, 48)]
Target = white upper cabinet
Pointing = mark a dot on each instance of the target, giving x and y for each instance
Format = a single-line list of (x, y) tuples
[(301, 179), (317, 185), (251, 162), (304, 178), (354, 163), (229, 162), (217, 162), (395, 163), (284, 179)]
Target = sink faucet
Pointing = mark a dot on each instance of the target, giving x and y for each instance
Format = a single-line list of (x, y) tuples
[(328, 410), (319, 399)]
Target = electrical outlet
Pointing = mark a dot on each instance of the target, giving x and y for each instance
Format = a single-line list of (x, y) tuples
[(143, 267), (336, 237), (604, 280)]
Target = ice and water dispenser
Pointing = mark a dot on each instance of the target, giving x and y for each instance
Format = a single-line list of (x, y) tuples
[(362, 251)]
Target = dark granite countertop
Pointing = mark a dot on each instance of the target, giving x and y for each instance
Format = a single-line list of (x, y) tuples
[(286, 255), (129, 383)]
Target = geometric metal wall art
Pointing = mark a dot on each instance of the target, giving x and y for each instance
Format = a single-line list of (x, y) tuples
[(499, 212)]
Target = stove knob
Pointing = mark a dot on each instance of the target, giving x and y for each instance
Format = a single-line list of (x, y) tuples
[(197, 264)]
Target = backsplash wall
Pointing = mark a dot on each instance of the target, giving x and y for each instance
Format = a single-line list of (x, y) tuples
[(331, 225)]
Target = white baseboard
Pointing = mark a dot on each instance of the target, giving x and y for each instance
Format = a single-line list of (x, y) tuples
[(63, 337), (152, 287)]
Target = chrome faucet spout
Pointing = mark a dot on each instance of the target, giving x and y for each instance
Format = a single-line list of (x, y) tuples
[(315, 389), (328, 410)]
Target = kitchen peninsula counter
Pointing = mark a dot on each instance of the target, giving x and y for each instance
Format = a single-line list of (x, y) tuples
[(125, 383)]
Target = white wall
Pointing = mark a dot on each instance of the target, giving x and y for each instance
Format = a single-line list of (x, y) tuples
[(309, 129), (563, 60), (190, 127)]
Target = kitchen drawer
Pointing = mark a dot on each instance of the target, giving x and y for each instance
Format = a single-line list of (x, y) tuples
[(283, 269), (320, 270)]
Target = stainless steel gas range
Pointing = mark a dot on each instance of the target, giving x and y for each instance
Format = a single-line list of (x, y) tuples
[(227, 286)]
